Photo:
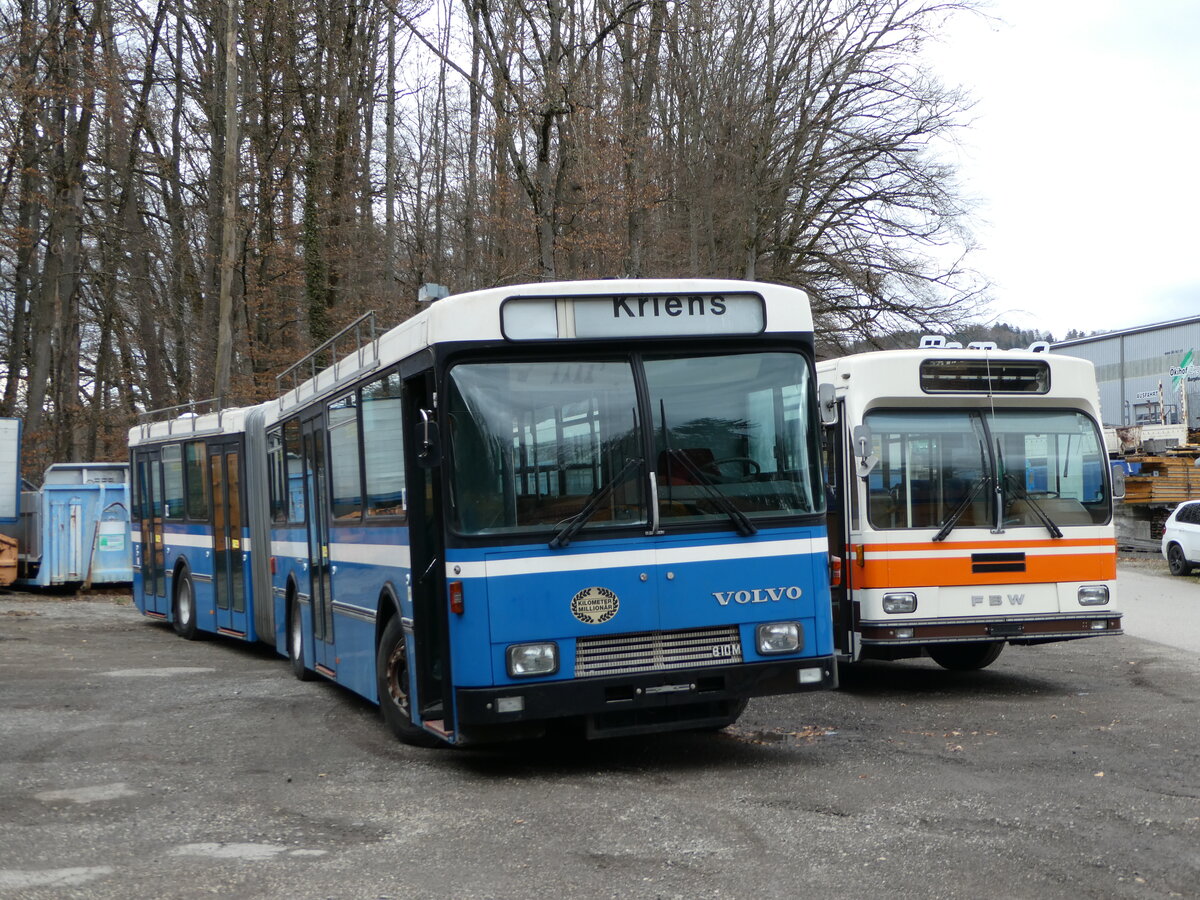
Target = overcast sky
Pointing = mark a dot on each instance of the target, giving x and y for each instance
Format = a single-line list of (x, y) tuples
[(1084, 152)]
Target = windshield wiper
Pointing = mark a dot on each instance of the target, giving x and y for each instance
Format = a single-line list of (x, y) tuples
[(985, 478), (743, 525), (952, 519), (1023, 494), (563, 536)]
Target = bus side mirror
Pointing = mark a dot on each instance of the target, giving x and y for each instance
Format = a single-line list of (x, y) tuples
[(862, 451), (827, 402), (429, 445), (1118, 480)]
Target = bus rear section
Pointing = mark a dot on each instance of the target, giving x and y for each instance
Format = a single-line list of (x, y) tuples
[(973, 504), (190, 525)]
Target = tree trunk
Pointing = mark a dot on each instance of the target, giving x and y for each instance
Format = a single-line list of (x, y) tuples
[(229, 183)]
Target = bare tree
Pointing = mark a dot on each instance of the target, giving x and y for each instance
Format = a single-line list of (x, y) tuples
[(195, 192)]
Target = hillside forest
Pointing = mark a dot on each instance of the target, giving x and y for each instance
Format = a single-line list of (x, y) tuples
[(195, 193)]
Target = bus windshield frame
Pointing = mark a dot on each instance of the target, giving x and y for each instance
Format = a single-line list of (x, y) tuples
[(719, 438), (949, 465)]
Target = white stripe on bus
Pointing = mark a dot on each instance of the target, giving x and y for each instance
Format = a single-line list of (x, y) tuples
[(396, 555), (621, 559), (203, 541), (966, 554), (371, 554)]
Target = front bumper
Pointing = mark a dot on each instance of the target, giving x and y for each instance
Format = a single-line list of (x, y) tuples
[(1014, 629), (634, 704)]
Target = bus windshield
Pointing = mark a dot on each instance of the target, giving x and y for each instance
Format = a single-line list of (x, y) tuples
[(733, 431), (1049, 464), (535, 443)]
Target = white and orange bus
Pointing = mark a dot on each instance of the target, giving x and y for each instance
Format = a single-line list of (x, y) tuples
[(971, 502)]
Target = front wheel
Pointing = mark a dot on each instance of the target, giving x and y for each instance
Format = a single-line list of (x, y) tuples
[(391, 674), (183, 608), (965, 657), (1176, 561)]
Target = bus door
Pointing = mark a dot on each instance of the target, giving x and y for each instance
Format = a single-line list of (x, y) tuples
[(428, 644), (150, 522), (840, 493), (229, 571), (316, 517)]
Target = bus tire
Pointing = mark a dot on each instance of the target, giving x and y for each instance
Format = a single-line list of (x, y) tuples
[(183, 607), (965, 657), (295, 641), (391, 674), (736, 708)]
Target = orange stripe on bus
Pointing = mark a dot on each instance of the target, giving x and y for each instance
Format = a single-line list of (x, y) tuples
[(958, 570)]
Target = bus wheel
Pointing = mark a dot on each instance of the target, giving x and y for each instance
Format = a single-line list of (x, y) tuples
[(183, 608), (1176, 561), (295, 642), (391, 673), (736, 708), (965, 657)]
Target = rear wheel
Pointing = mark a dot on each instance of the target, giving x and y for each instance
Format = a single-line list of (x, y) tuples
[(965, 657), (295, 641), (183, 607), (391, 673), (1177, 561)]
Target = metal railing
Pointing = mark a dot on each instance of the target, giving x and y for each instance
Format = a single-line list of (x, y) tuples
[(183, 414), (306, 370)]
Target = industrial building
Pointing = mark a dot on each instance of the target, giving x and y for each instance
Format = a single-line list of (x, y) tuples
[(1148, 375)]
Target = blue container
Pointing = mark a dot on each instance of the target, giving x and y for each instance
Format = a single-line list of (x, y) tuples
[(75, 528)]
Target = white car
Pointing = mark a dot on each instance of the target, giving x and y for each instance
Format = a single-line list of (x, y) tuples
[(1181, 538)]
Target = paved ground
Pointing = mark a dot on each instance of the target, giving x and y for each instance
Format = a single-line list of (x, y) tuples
[(1158, 606), (137, 765)]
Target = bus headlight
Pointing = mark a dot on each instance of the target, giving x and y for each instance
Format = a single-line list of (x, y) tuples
[(779, 637), (1093, 594), (527, 660), (899, 603)]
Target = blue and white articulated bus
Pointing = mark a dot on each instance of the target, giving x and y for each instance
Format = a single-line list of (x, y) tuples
[(597, 502)]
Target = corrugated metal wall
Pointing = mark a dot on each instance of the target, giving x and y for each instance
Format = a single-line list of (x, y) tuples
[(1132, 364)]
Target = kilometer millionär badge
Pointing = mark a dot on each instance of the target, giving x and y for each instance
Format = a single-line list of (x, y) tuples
[(594, 605)]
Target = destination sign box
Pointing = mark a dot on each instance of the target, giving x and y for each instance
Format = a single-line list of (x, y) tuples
[(632, 316)]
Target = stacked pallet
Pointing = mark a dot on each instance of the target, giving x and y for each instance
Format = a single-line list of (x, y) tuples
[(1167, 478), (8, 560)]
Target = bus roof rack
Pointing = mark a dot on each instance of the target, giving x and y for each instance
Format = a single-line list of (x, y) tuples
[(939, 342), (344, 366), (181, 417)]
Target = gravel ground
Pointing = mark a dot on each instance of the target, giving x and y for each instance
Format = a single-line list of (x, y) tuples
[(137, 765)]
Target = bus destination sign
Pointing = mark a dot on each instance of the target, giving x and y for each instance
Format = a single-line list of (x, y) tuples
[(632, 316)]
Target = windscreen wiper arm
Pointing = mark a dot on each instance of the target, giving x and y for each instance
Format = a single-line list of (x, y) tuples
[(743, 525), (952, 519), (1023, 494), (563, 536)]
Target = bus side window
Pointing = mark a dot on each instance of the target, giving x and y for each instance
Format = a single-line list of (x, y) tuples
[(172, 463), (345, 471), (276, 476), (383, 447), (197, 485), (294, 469)]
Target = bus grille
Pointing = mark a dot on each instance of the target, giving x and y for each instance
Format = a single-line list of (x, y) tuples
[(657, 651)]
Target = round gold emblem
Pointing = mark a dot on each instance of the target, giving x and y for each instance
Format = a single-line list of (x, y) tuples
[(594, 605)]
